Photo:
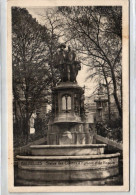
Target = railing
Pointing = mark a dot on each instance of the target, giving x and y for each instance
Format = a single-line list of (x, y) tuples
[(109, 142), (26, 149)]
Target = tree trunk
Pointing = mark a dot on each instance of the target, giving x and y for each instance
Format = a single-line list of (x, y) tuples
[(26, 128), (108, 93), (121, 92), (109, 103), (115, 93)]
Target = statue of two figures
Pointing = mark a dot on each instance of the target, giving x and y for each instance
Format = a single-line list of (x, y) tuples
[(65, 61)]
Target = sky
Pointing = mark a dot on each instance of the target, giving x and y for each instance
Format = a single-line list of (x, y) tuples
[(83, 73)]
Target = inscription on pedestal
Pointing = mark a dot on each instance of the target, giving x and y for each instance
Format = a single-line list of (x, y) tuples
[(70, 164)]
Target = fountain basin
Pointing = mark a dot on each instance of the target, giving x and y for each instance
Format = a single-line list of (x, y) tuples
[(68, 162), (79, 175), (110, 181), (67, 150)]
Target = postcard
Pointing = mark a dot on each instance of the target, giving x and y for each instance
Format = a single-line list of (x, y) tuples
[(68, 95)]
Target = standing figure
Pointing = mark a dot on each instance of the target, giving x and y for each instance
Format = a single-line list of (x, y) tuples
[(59, 61), (74, 72), (74, 65), (65, 61), (32, 121)]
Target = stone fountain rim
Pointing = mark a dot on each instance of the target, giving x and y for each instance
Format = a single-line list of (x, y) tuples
[(68, 146), (102, 156)]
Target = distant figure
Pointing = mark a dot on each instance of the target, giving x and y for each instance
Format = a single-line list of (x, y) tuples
[(32, 120)]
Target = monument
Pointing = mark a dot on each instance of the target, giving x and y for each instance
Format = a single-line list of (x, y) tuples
[(67, 125), (70, 157)]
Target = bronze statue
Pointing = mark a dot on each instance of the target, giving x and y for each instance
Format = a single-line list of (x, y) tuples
[(65, 61)]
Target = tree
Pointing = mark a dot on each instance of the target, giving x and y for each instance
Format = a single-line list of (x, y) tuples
[(101, 77), (94, 34), (54, 24), (32, 75)]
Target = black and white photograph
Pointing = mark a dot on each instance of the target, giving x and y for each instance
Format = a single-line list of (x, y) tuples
[(69, 103)]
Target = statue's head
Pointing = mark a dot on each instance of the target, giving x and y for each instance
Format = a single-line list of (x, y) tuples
[(62, 46)]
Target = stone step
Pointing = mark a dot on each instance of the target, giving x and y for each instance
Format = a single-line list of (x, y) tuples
[(67, 150), (109, 142)]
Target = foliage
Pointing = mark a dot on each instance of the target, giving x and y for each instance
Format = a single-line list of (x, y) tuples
[(32, 75), (111, 129), (95, 32)]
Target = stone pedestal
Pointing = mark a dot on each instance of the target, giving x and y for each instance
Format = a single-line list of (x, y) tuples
[(67, 125)]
